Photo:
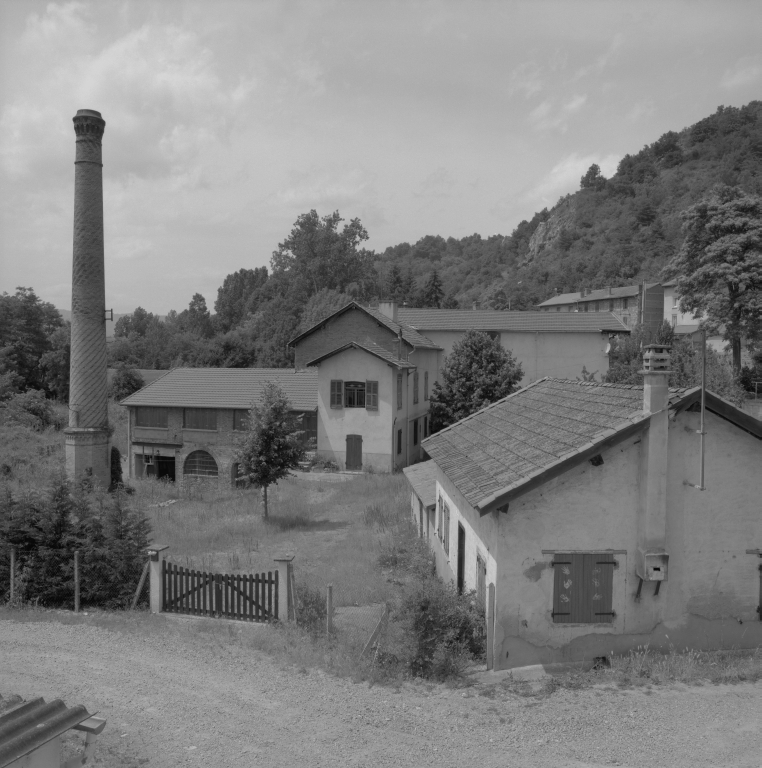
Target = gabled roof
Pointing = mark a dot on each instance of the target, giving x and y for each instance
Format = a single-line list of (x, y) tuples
[(597, 295), (371, 348), (423, 478), (509, 446), (226, 388), (517, 322), (409, 335)]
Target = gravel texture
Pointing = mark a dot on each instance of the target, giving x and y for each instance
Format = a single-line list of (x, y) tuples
[(177, 694)]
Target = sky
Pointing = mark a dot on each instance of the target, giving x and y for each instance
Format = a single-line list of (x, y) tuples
[(227, 120)]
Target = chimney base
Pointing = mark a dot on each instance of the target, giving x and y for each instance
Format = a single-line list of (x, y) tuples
[(88, 451)]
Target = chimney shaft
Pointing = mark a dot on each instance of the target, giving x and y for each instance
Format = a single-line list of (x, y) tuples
[(388, 308), (87, 440)]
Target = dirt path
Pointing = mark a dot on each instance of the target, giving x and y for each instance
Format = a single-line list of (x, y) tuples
[(175, 695)]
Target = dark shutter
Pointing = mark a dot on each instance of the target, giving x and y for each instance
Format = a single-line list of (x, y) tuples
[(337, 400), (563, 588), (603, 583), (371, 395), (583, 588)]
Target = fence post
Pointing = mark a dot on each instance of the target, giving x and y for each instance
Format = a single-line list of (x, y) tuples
[(155, 559), (284, 565), (490, 621), (76, 581), (13, 574), (329, 610)]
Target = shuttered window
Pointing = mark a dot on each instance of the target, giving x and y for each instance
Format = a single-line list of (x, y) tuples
[(446, 532), (354, 394), (200, 418), (371, 395), (583, 588), (426, 385), (415, 387), (399, 391), (151, 417), (337, 393)]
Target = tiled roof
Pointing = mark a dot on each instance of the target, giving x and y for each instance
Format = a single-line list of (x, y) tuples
[(601, 293), (410, 335), (519, 322), (508, 443), (367, 346), (147, 374), (681, 330), (226, 388), (32, 725), (423, 478)]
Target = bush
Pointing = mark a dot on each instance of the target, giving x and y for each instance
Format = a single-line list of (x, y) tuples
[(311, 609), (447, 629), (31, 409), (126, 381)]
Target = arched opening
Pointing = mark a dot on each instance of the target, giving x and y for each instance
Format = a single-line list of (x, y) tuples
[(200, 464)]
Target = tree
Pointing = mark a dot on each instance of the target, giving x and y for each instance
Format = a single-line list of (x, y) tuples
[(450, 302), (394, 283), (56, 363), (593, 179), (719, 266), (320, 255), (133, 325), (322, 305), (477, 372), (432, 291), (126, 381), (271, 445), (234, 294)]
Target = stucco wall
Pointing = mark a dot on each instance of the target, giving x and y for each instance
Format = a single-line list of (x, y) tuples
[(334, 424), (352, 325), (710, 597), (560, 355)]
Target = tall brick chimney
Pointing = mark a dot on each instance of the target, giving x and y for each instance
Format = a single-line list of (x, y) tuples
[(87, 438), (652, 558)]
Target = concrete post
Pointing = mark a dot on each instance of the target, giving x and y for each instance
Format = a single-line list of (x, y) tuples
[(87, 439), (489, 620), (284, 566), (76, 581), (13, 574), (156, 558), (329, 610)]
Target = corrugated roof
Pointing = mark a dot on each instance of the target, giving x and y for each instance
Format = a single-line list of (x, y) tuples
[(423, 478), (31, 725), (226, 388), (367, 346), (510, 442), (410, 335), (518, 322), (601, 293)]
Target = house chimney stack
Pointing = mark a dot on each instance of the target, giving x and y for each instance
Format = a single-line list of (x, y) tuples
[(388, 308), (652, 560), (87, 438)]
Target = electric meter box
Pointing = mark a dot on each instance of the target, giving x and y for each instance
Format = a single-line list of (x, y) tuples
[(652, 564)]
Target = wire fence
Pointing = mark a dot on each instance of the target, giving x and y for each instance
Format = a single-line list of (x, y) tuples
[(71, 579)]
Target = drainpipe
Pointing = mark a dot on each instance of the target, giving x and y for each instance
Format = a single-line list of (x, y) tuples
[(702, 431)]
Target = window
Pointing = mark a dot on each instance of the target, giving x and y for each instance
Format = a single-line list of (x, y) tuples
[(200, 464), (399, 391), (415, 432), (558, 308), (583, 588), (426, 385), (151, 417), (674, 320), (446, 531), (425, 426), (200, 418), (415, 387), (586, 305), (596, 306), (240, 420), (371, 395), (354, 394), (624, 303), (337, 393), (440, 523), (399, 442)]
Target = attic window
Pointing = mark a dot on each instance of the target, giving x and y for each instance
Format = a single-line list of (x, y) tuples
[(597, 460)]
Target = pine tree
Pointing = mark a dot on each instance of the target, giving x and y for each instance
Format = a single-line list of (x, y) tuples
[(432, 291)]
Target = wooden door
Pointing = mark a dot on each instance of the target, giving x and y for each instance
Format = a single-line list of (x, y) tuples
[(461, 558), (354, 451)]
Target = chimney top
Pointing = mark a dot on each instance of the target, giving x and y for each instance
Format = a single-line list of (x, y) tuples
[(475, 305), (88, 113), (656, 358), (389, 309)]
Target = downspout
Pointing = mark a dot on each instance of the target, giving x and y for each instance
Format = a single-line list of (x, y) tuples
[(702, 431)]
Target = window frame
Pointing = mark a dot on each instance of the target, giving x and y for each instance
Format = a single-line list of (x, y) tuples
[(154, 411), (208, 473), (337, 393), (371, 395), (354, 392), (197, 412)]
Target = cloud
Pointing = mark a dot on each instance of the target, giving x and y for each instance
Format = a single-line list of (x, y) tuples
[(545, 117), (603, 60), (564, 177), (745, 72), (642, 109), (439, 183), (525, 79), (320, 187)]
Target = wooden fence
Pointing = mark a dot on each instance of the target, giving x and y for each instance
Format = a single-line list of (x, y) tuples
[(246, 597)]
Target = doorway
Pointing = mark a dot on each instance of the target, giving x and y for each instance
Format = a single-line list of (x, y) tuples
[(461, 558), (354, 452), (165, 467)]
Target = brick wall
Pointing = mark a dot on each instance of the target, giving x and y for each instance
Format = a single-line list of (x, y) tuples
[(352, 325)]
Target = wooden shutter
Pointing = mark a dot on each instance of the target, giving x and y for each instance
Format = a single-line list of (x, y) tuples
[(583, 589), (337, 400), (426, 385), (563, 588), (415, 387), (371, 395), (399, 391)]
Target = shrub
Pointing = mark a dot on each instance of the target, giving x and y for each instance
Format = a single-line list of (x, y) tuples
[(126, 381), (31, 409), (311, 609), (446, 628)]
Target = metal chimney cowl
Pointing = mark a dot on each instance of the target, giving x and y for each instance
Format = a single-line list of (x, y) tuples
[(87, 436)]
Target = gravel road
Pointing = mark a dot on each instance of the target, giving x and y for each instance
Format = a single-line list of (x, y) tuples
[(175, 695)]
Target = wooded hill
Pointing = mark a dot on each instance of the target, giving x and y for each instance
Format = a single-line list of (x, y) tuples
[(613, 231)]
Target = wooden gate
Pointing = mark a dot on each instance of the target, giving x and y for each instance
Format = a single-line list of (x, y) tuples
[(354, 451), (246, 597)]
